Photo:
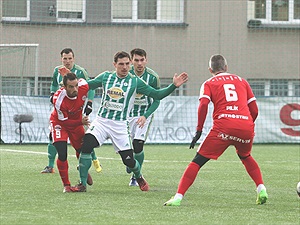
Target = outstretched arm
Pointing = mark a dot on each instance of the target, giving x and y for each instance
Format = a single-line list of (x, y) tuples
[(178, 80)]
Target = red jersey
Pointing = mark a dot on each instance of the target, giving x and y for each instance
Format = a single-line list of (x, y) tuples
[(230, 95), (68, 111)]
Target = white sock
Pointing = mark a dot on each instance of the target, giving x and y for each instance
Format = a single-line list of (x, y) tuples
[(260, 187), (178, 196)]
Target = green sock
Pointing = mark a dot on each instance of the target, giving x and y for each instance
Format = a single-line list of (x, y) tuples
[(93, 154), (140, 158), (51, 154), (85, 162), (136, 169)]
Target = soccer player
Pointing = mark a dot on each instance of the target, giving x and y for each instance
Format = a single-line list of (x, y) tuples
[(119, 91), (141, 116), (67, 122), (68, 65), (235, 111)]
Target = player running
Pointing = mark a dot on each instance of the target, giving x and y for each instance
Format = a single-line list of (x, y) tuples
[(67, 122), (119, 91)]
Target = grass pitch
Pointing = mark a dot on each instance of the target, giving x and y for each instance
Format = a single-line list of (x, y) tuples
[(222, 193)]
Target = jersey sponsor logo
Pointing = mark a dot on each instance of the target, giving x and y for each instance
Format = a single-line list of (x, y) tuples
[(115, 93), (227, 137), (140, 102), (232, 108), (233, 116), (139, 95), (113, 106), (57, 127)]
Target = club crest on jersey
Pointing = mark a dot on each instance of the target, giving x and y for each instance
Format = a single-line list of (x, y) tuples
[(84, 98), (115, 93)]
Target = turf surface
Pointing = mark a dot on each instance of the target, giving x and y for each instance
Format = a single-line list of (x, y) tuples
[(222, 193)]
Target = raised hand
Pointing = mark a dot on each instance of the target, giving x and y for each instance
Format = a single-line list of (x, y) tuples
[(63, 71), (180, 79)]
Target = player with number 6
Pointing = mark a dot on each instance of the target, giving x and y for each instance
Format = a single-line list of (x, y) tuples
[(235, 111)]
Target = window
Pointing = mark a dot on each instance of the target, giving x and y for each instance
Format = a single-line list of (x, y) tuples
[(62, 10), (275, 87), (70, 11), (258, 87), (148, 11), (278, 12), (91, 11), (181, 91), (278, 88), (17, 86), (15, 10)]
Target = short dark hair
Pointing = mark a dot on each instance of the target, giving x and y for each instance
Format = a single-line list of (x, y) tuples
[(121, 55), (67, 51), (69, 76), (138, 51), (217, 63)]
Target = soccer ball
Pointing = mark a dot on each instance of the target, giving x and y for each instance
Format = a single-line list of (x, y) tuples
[(298, 189)]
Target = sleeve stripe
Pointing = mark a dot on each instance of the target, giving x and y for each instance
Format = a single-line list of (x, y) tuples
[(205, 96), (251, 100)]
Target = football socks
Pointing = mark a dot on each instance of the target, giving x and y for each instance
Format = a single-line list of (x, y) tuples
[(188, 177), (140, 158), (63, 168), (85, 162), (51, 155)]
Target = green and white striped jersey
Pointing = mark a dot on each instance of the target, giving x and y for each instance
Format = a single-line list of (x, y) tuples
[(144, 105), (79, 71), (119, 93)]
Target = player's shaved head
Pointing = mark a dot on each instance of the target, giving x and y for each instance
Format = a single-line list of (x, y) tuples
[(217, 63)]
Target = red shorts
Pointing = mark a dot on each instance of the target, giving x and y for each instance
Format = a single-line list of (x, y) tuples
[(216, 142), (61, 133)]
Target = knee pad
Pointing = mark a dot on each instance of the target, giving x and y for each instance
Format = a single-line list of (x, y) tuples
[(200, 160), (127, 158), (138, 145), (243, 157), (89, 143), (61, 148)]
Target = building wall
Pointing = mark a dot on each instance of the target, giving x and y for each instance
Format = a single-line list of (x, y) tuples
[(212, 27)]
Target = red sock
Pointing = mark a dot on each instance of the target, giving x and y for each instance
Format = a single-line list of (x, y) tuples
[(253, 170), (63, 168), (188, 177)]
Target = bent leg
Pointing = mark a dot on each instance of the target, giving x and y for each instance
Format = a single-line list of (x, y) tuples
[(252, 169), (190, 173), (85, 159), (128, 160)]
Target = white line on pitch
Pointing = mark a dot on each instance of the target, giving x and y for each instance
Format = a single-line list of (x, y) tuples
[(45, 153)]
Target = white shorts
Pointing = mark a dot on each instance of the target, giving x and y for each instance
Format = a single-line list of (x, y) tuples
[(139, 133), (116, 131)]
